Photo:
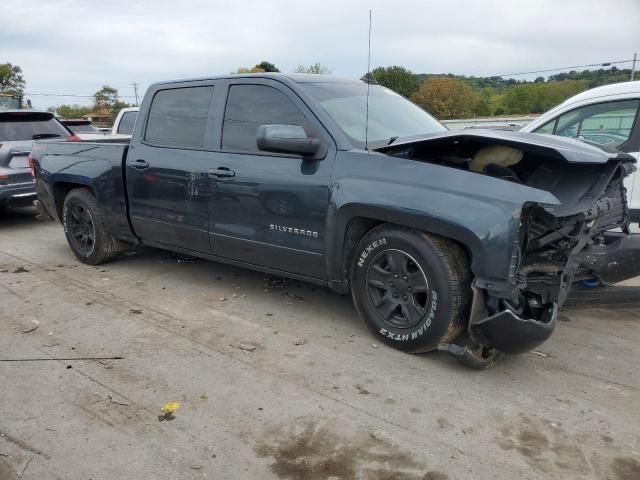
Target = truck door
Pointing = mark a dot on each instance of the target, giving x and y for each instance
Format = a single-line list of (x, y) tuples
[(268, 209), (166, 169)]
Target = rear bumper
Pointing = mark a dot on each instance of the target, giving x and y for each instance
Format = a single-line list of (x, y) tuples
[(17, 194), (616, 260)]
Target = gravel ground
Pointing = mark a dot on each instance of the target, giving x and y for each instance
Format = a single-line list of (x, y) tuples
[(280, 380)]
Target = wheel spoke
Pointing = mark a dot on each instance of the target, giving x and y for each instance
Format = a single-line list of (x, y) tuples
[(397, 261), (387, 307), (411, 313), (417, 281), (378, 284), (378, 274)]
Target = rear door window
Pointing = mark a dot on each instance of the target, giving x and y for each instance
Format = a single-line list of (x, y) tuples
[(178, 117), (608, 123), (17, 126)]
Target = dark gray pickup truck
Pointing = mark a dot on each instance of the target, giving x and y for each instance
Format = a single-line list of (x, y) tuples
[(467, 242)]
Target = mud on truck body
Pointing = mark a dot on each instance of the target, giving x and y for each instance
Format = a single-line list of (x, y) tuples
[(467, 242)]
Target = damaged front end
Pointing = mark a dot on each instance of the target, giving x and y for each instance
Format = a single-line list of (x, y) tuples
[(583, 234)]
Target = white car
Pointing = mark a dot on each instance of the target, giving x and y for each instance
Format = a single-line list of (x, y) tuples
[(608, 116), (126, 119)]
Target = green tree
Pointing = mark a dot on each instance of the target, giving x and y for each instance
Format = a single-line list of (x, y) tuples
[(398, 79), (11, 80), (484, 105), (71, 111), (316, 68), (255, 69), (540, 97), (105, 98), (267, 66), (447, 97)]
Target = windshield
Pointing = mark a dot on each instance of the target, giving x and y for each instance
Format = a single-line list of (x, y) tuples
[(390, 115)]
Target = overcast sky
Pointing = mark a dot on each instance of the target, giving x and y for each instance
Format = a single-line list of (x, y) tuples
[(74, 47)]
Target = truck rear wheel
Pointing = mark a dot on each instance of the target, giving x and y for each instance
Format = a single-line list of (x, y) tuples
[(412, 289), (85, 229)]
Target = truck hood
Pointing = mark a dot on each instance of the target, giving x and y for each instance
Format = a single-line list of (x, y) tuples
[(549, 146)]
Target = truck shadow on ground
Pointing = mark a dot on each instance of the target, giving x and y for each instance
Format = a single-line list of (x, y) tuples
[(18, 216)]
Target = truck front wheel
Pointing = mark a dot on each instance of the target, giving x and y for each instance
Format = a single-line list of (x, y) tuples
[(84, 227), (412, 289)]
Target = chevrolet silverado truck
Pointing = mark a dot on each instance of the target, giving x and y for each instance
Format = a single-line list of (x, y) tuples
[(466, 242)]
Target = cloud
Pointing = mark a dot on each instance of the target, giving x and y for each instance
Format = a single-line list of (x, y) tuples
[(70, 46)]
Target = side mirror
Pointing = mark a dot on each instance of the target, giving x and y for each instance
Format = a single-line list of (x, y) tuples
[(287, 139)]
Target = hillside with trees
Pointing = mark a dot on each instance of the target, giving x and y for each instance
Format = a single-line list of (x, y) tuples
[(454, 96)]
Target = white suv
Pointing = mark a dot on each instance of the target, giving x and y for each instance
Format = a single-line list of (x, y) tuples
[(607, 115)]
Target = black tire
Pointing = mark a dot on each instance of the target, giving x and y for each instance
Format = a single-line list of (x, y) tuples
[(85, 229), (394, 264)]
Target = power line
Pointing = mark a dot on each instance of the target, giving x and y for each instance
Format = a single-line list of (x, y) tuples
[(603, 64), (484, 74)]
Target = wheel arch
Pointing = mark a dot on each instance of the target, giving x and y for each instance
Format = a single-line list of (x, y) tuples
[(353, 222), (62, 188)]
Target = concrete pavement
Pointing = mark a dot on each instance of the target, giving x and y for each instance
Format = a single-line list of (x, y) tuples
[(279, 379)]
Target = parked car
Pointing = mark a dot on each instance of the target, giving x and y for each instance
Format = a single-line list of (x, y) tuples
[(462, 241), (608, 116), (125, 121), (18, 131), (83, 128)]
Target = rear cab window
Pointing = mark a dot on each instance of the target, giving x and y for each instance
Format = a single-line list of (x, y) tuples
[(607, 123), (16, 126), (178, 117)]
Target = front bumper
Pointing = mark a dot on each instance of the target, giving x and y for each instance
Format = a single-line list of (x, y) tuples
[(509, 333), (616, 260), (17, 194)]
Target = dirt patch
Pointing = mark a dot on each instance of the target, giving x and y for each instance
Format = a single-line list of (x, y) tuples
[(313, 452), (625, 468), (547, 447)]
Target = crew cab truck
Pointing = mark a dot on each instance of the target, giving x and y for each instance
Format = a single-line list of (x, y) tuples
[(466, 242)]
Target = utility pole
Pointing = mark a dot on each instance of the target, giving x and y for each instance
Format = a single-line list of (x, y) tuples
[(135, 89), (633, 66)]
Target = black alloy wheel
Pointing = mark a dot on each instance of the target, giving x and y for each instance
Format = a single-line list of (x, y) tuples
[(398, 288), (82, 229)]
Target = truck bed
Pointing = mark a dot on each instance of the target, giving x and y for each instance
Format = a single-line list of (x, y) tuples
[(96, 165)]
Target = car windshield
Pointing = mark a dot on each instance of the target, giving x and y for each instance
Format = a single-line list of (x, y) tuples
[(391, 116), (29, 126)]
